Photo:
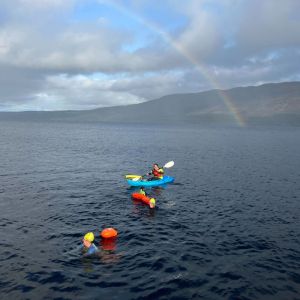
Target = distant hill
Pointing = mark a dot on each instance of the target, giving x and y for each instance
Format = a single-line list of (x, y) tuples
[(268, 104)]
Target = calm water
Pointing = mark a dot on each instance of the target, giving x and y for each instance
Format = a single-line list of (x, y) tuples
[(228, 228)]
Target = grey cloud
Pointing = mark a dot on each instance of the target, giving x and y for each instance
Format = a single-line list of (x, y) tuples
[(270, 24), (49, 63), (18, 83)]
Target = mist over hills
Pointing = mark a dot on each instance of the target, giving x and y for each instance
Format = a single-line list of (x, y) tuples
[(268, 104)]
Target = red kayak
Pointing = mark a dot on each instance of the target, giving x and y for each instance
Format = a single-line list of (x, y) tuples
[(144, 199)]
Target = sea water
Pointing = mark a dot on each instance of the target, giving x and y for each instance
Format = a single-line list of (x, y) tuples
[(228, 228)]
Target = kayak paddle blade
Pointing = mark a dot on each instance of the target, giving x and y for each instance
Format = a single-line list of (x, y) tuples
[(137, 178), (131, 176), (169, 164)]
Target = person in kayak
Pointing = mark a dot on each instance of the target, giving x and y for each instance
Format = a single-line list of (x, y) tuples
[(89, 248), (157, 172)]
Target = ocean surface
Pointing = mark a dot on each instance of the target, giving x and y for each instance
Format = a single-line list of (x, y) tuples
[(228, 228)]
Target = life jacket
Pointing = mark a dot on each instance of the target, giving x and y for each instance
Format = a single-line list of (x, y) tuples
[(142, 192), (159, 174)]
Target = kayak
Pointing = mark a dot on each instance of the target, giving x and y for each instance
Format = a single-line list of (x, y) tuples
[(164, 180)]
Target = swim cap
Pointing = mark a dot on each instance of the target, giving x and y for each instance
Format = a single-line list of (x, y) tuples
[(152, 202), (89, 237)]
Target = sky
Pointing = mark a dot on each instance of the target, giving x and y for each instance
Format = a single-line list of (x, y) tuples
[(85, 54)]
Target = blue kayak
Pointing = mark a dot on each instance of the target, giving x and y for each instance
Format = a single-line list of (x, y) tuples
[(166, 179)]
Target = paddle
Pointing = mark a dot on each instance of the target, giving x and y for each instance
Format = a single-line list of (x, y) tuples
[(168, 165), (130, 176)]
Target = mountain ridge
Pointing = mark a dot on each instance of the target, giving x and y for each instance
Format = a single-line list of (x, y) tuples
[(271, 103)]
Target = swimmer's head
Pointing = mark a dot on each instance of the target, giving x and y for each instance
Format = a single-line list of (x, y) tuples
[(88, 239), (152, 203)]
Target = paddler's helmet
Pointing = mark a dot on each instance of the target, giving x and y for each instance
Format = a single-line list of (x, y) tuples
[(152, 203), (89, 237)]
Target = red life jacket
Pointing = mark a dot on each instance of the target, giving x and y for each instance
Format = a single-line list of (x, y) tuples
[(159, 173)]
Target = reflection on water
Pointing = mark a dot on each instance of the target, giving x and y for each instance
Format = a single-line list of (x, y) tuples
[(107, 254), (108, 244), (141, 209)]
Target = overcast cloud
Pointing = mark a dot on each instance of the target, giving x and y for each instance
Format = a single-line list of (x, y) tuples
[(75, 54)]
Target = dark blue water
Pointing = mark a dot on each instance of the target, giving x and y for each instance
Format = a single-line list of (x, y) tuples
[(228, 228)]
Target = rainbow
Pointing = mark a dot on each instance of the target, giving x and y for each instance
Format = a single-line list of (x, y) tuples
[(182, 51)]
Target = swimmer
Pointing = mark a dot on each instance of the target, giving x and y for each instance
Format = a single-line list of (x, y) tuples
[(89, 247)]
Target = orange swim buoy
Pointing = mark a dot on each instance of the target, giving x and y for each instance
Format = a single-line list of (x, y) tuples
[(144, 199), (108, 233)]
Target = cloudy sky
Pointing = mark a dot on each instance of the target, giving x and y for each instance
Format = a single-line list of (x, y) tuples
[(83, 54)]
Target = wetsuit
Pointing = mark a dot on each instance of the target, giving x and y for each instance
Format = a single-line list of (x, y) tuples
[(91, 250)]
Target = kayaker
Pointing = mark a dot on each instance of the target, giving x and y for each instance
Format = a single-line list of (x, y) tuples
[(89, 247), (157, 172), (142, 191)]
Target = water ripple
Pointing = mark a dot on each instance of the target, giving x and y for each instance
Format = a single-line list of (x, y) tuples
[(228, 228)]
